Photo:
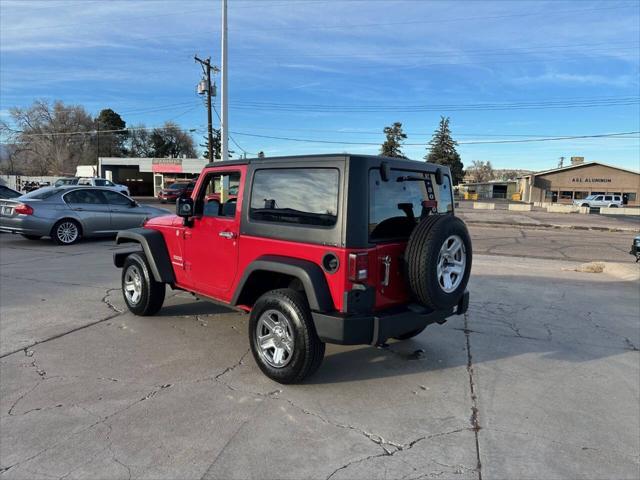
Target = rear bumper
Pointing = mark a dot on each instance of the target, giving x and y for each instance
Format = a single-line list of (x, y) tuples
[(26, 225), (373, 329)]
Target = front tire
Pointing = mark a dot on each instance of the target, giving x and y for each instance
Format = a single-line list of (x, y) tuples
[(142, 294), (283, 337), (66, 232)]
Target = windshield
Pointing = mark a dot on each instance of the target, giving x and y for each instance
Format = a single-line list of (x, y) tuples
[(397, 205), (590, 197)]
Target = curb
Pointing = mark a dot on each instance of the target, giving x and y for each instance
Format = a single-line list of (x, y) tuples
[(547, 226)]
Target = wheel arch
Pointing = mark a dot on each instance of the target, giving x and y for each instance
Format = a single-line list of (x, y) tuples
[(271, 272), (155, 251)]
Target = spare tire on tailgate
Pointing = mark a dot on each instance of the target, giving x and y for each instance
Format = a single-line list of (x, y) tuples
[(438, 260)]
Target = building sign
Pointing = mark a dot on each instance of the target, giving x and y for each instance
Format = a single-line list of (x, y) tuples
[(166, 165), (590, 180)]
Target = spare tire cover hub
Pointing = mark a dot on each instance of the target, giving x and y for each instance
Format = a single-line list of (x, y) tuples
[(452, 261)]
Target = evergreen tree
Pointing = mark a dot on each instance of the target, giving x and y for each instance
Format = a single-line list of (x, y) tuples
[(111, 134), (392, 146), (217, 147), (443, 151)]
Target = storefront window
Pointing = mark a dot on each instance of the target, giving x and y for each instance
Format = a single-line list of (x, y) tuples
[(566, 195), (580, 195)]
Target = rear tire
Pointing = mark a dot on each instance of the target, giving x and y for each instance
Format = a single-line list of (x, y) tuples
[(31, 237), (283, 338), (66, 232), (142, 294), (438, 258)]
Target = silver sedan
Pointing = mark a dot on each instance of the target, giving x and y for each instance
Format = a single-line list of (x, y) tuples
[(68, 213)]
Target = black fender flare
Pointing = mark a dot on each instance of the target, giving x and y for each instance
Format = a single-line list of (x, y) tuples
[(310, 275), (154, 248)]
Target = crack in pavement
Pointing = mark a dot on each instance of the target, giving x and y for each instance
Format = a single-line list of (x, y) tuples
[(102, 420), (475, 424), (54, 282), (104, 300), (389, 447), (403, 448)]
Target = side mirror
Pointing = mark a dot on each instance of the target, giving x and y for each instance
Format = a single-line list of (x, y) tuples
[(385, 171), (184, 207), (439, 179)]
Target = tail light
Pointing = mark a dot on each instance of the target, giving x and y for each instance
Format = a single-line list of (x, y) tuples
[(23, 209), (358, 267)]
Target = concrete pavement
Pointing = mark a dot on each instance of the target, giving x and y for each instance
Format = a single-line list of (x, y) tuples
[(541, 379)]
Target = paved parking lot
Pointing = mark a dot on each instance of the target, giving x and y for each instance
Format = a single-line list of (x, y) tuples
[(541, 379)]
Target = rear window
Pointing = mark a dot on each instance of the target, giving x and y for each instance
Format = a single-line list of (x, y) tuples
[(303, 196), (396, 205), (41, 193)]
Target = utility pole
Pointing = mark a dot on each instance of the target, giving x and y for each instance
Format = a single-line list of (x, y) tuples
[(224, 86), (206, 67), (561, 163)]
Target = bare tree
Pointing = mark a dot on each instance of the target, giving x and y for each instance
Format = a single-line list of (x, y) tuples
[(480, 171), (53, 139)]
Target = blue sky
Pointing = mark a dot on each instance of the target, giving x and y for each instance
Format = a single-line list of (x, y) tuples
[(340, 70)]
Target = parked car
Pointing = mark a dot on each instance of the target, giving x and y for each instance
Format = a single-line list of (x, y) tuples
[(635, 248), (604, 200), (93, 182), (175, 190), (32, 186), (6, 192), (68, 213), (321, 249)]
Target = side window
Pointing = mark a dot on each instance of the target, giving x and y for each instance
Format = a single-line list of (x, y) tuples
[(86, 197), (218, 195), (84, 181), (608, 198), (304, 196), (107, 183), (114, 198), (100, 182), (598, 198)]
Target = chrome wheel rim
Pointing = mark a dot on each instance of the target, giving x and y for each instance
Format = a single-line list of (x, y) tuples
[(452, 261), (132, 284), (274, 338), (67, 232)]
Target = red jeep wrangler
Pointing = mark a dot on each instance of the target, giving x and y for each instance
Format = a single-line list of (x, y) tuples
[(346, 249)]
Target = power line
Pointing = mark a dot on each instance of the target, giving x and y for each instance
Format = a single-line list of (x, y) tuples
[(572, 137), (230, 137), (299, 107), (411, 134)]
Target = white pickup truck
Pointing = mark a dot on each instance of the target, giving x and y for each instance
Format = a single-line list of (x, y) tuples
[(94, 182), (600, 200)]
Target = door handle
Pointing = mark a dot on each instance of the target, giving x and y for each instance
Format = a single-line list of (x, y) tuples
[(227, 235), (79, 209)]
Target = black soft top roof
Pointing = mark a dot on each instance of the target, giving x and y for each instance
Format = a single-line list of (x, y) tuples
[(370, 159)]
